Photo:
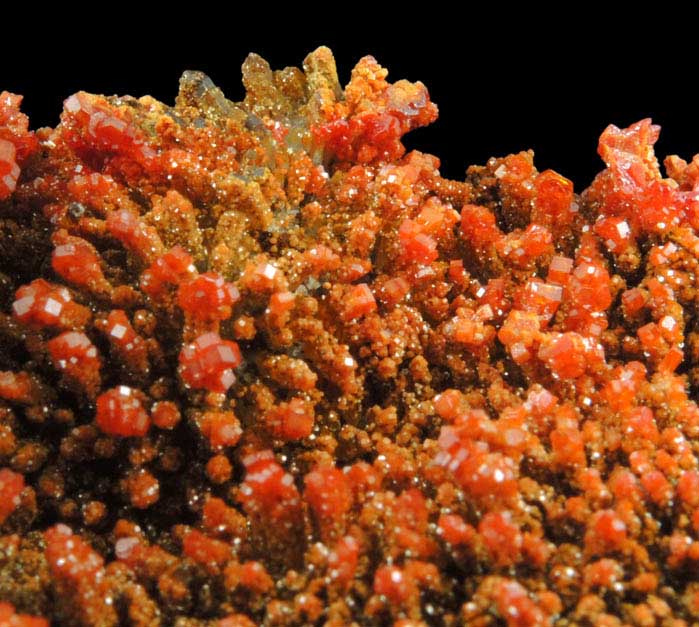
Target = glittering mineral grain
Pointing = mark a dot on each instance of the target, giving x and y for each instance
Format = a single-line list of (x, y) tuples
[(259, 365)]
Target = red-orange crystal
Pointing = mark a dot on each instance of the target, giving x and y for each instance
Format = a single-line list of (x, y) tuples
[(11, 486), (120, 412), (10, 618), (208, 362), (207, 297)]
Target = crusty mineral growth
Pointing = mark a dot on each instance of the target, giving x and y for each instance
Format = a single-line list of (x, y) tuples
[(260, 366)]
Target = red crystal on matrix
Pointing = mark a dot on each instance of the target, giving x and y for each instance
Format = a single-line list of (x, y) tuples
[(79, 575), (378, 396), (119, 412), (515, 606), (343, 561), (168, 269), (221, 428), (208, 363), (207, 297), (133, 234), (15, 386), (165, 415), (329, 497), (128, 344), (43, 304), (11, 486), (267, 490), (501, 537), (554, 204), (454, 529), (76, 357), (205, 550), (77, 261), (290, 421), (359, 302), (272, 502), (93, 127), (17, 143), (9, 170), (10, 618), (70, 557), (415, 244)]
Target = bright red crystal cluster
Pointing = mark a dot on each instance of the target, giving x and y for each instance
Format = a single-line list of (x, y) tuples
[(76, 357), (42, 304), (260, 365), (208, 362), (11, 486), (119, 412)]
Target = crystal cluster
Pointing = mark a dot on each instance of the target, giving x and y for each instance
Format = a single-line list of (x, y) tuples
[(261, 365)]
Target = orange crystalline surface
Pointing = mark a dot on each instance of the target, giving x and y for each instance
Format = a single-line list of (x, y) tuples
[(261, 365), (119, 412)]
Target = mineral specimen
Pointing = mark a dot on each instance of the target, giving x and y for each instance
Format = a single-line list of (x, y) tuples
[(259, 365)]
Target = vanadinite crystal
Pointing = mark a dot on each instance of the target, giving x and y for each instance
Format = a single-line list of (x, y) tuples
[(119, 412), (208, 362), (260, 365)]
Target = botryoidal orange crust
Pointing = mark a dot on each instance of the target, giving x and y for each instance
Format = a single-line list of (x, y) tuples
[(259, 366)]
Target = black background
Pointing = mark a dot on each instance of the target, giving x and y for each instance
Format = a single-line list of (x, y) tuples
[(535, 84)]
